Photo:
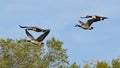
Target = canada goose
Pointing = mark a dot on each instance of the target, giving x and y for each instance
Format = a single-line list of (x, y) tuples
[(98, 18), (86, 25), (39, 39), (33, 28)]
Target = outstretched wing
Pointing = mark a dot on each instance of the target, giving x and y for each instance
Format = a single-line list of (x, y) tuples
[(33, 28), (42, 37), (104, 18), (28, 27), (99, 18), (90, 21), (36, 29), (23, 26), (29, 35), (81, 22), (87, 16)]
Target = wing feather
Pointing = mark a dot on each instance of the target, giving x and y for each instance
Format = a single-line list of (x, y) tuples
[(42, 37), (33, 28), (90, 21), (23, 26), (81, 22), (29, 35)]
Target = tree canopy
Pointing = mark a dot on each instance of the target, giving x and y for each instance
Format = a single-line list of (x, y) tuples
[(22, 54)]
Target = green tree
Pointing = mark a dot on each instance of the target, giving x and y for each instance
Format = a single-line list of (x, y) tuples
[(95, 64), (22, 54), (56, 54), (74, 65), (88, 64), (102, 64), (116, 63)]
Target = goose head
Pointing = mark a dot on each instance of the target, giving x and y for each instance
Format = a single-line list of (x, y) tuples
[(77, 25), (90, 28)]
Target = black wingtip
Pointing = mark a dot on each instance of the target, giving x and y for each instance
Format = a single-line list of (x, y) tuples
[(20, 26), (48, 30), (106, 18)]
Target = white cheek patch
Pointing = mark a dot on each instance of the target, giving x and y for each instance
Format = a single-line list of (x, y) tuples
[(100, 18)]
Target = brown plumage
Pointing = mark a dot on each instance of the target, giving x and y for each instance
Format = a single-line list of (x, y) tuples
[(86, 25), (39, 39)]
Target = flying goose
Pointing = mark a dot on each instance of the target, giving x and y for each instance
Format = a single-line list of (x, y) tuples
[(86, 25), (33, 28), (39, 39), (98, 18)]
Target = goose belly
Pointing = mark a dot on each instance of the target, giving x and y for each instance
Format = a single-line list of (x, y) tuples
[(85, 26), (35, 42)]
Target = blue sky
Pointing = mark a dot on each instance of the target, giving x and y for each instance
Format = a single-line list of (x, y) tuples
[(60, 16)]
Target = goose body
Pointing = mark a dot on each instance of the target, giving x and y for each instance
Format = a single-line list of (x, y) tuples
[(86, 25), (39, 39)]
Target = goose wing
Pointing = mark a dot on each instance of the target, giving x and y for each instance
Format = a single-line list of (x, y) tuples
[(87, 16), (36, 29), (23, 26), (29, 35), (42, 37), (104, 18), (101, 17), (32, 28), (27, 27), (81, 22), (90, 21)]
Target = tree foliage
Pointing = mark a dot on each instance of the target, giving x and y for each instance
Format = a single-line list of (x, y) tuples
[(116, 63), (22, 54), (102, 64)]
